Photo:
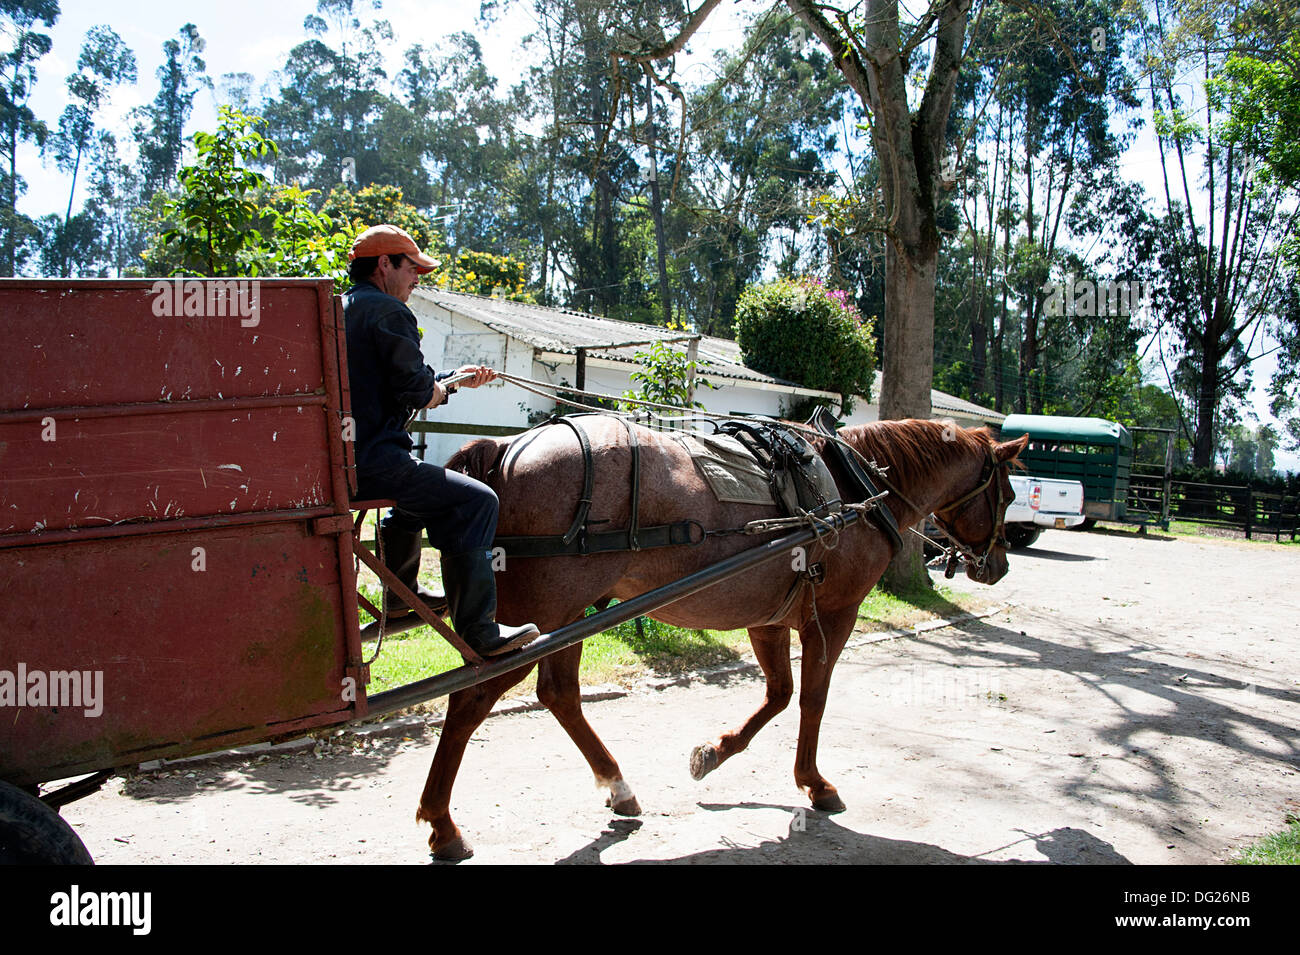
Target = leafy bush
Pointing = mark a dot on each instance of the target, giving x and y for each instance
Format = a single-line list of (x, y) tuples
[(800, 330)]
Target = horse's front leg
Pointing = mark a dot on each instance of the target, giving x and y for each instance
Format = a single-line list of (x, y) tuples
[(814, 681), (772, 648), (466, 711), (559, 690)]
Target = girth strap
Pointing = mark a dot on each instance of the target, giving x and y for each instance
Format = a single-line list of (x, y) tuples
[(599, 542), (584, 502)]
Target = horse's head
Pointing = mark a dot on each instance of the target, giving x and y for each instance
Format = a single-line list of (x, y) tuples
[(975, 518)]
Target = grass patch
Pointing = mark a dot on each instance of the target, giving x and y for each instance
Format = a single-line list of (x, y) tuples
[(883, 610), (1281, 848)]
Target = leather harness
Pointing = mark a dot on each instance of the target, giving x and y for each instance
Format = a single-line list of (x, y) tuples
[(774, 447)]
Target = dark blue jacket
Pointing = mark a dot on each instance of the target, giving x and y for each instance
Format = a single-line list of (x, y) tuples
[(387, 375)]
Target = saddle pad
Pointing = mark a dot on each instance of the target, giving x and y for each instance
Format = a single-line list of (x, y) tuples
[(730, 470)]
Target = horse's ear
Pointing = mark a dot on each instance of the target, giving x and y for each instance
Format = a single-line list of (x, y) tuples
[(1009, 450)]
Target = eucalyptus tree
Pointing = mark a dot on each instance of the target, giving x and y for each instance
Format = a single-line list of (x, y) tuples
[(1043, 93), (105, 62), (448, 121), (24, 44), (160, 127), (330, 96), (1221, 243), (763, 142)]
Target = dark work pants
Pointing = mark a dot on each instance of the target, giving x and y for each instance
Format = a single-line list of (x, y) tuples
[(457, 512)]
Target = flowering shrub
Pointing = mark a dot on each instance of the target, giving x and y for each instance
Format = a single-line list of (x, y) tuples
[(800, 330)]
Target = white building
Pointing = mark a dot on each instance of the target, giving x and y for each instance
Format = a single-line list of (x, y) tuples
[(548, 344)]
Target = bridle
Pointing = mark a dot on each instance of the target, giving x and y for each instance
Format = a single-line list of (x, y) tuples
[(977, 555), (987, 480)]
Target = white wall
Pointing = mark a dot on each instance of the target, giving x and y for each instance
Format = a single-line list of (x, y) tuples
[(451, 340)]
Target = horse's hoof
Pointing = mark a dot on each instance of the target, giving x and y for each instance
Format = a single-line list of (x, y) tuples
[(704, 760), (454, 851), (829, 802), (625, 807), (621, 800)]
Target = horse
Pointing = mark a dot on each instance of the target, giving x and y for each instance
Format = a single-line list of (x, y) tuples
[(958, 474)]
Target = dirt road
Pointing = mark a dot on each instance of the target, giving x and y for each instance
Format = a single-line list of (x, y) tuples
[(1137, 703)]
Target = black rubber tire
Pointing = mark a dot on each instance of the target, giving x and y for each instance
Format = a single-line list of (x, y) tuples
[(31, 833), (1088, 524), (1020, 536)]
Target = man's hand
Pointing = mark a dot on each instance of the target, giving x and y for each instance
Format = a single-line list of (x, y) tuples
[(482, 375), (479, 375)]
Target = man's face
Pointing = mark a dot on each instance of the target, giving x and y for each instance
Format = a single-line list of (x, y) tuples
[(398, 282)]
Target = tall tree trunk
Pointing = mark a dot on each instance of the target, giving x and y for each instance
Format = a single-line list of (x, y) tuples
[(1207, 401), (656, 206)]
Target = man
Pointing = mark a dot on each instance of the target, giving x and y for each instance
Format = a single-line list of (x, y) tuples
[(390, 382)]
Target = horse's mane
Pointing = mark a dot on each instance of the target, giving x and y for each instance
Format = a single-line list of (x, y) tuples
[(914, 448)]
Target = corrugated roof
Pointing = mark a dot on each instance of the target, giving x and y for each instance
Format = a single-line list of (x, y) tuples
[(564, 332), (552, 329)]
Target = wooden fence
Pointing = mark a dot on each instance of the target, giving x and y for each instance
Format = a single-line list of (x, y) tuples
[(1255, 512)]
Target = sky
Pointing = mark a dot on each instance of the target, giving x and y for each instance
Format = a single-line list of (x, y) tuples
[(255, 37)]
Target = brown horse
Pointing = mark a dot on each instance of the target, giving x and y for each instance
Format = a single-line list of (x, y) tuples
[(538, 476)]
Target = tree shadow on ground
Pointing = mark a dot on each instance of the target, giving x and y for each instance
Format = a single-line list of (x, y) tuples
[(1190, 713)]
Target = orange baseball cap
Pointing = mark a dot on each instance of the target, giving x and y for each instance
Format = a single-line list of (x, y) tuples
[(390, 240)]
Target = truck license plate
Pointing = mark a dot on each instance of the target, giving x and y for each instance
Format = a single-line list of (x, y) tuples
[(1060, 523)]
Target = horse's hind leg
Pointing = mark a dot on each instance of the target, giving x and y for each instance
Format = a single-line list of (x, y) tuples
[(559, 690), (772, 648), (466, 711), (814, 682)]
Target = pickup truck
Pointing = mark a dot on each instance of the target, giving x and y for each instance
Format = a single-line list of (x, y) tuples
[(1039, 503)]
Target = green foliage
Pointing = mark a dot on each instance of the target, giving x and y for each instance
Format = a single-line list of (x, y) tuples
[(665, 378), (297, 241), (217, 212), (1258, 88), (799, 330)]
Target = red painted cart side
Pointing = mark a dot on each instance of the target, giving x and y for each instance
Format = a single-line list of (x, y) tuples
[(174, 520)]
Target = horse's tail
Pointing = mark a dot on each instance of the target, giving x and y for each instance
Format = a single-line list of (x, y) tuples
[(478, 458)]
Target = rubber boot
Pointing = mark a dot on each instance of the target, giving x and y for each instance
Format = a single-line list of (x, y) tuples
[(402, 557), (472, 593)]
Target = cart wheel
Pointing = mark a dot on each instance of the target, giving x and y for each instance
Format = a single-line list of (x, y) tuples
[(31, 833), (1020, 536)]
